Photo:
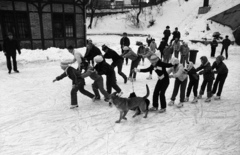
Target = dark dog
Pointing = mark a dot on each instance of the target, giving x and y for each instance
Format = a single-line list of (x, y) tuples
[(125, 104)]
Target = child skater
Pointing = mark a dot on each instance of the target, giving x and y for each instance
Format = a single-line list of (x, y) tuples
[(77, 83), (193, 83), (208, 77)]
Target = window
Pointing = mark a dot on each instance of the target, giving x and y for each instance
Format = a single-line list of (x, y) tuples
[(63, 25), (18, 24)]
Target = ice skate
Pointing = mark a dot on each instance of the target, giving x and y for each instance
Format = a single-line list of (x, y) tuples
[(171, 103), (195, 100)]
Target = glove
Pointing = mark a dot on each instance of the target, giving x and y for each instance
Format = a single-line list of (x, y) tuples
[(136, 70), (200, 73)]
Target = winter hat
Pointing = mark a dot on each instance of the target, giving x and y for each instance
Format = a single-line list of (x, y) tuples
[(174, 61), (204, 59), (125, 48), (189, 66), (98, 58), (64, 64), (154, 58), (220, 58)]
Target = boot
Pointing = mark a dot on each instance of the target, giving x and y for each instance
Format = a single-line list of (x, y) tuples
[(199, 96), (150, 77), (186, 99), (208, 99), (195, 100), (180, 105), (217, 98)]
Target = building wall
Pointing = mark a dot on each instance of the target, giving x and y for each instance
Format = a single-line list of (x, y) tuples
[(45, 37)]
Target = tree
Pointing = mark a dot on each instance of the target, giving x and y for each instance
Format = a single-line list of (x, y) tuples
[(140, 10)]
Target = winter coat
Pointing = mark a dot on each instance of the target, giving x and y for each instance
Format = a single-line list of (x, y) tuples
[(141, 50), (111, 54), (226, 42), (214, 43), (103, 68), (176, 45), (176, 34), (206, 68), (91, 73), (168, 51), (160, 69), (162, 45), (149, 40), (130, 54), (148, 54), (192, 73), (153, 46), (124, 42), (92, 51), (184, 50), (73, 74), (221, 68), (167, 33), (178, 72), (10, 46)]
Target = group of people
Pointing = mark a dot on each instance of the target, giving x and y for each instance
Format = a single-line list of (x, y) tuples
[(225, 44)]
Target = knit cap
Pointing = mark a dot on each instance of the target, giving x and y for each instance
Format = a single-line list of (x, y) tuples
[(98, 58), (154, 58), (125, 48), (220, 58), (174, 61)]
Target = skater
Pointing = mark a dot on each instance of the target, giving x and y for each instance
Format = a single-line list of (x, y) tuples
[(181, 79), (167, 54), (10, 45), (162, 46), (162, 83), (125, 42), (225, 44), (214, 45), (77, 83), (222, 72), (91, 52), (153, 46), (128, 53), (104, 68), (208, 77), (176, 47), (98, 81), (184, 51), (149, 40), (140, 52), (117, 60), (176, 34), (167, 34), (193, 82), (77, 57)]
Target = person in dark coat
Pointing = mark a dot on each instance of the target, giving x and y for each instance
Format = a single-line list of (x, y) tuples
[(214, 45), (193, 83), (162, 46), (208, 77), (176, 34), (125, 42), (91, 51), (98, 81), (117, 60), (10, 45), (149, 40), (225, 44), (167, 34), (162, 83), (221, 70), (77, 83), (103, 68)]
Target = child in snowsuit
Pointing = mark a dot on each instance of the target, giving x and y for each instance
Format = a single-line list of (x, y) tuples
[(222, 73), (98, 81), (208, 77), (193, 83), (77, 83)]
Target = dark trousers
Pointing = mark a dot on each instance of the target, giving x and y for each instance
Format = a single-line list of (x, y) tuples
[(213, 50), (219, 82), (119, 64), (126, 59), (176, 53), (9, 64), (226, 51), (209, 87), (160, 90), (192, 84), (182, 85), (98, 84), (112, 83), (134, 64), (80, 88)]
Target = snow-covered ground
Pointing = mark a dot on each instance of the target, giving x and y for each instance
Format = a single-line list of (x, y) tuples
[(35, 117)]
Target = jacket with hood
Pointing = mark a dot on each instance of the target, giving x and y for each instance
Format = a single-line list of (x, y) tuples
[(130, 54), (221, 68), (111, 54), (206, 69), (178, 70)]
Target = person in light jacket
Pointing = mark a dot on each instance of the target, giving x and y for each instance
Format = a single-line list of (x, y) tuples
[(176, 47), (153, 46), (181, 79), (184, 51)]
